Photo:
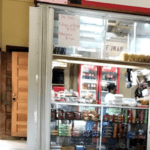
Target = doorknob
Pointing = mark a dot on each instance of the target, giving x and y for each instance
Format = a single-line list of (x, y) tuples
[(14, 94)]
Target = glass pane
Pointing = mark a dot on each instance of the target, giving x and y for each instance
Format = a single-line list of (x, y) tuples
[(88, 81), (91, 36), (124, 128), (142, 38), (75, 127)]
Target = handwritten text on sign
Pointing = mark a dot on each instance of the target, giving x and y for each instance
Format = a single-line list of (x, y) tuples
[(69, 31)]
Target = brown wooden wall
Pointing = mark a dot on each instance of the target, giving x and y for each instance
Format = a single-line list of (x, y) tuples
[(6, 94)]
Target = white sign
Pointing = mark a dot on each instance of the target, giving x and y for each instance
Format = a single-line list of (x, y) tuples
[(68, 31), (114, 49)]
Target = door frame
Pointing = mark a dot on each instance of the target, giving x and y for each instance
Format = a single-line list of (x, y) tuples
[(9, 49)]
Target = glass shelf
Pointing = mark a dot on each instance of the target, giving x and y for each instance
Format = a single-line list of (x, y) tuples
[(96, 105)]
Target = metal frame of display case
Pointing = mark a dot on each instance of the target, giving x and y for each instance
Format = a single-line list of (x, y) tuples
[(40, 81)]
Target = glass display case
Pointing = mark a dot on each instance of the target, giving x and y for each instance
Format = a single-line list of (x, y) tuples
[(69, 124), (84, 127)]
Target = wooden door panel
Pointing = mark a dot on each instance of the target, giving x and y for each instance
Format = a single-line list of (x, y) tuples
[(22, 106), (22, 73), (22, 128), (22, 117), (22, 96), (23, 84), (19, 93), (23, 60)]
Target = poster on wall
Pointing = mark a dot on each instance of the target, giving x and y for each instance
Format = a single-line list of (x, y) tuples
[(114, 49), (125, 5), (68, 31), (54, 1)]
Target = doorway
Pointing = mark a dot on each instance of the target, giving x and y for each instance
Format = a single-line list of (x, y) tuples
[(6, 94)]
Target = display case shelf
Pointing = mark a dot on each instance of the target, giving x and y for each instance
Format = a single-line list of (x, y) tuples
[(96, 105), (126, 123), (72, 120)]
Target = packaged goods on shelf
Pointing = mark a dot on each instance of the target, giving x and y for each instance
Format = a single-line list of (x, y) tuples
[(67, 148), (135, 58), (143, 101)]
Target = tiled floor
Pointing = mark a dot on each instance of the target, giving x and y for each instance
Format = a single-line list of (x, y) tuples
[(13, 145)]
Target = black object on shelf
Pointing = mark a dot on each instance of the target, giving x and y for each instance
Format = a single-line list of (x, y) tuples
[(59, 50), (58, 76)]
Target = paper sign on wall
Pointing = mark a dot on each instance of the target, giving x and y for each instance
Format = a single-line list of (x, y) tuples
[(114, 49), (54, 1), (68, 31)]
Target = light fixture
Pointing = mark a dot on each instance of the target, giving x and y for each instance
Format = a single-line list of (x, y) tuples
[(78, 61), (59, 64)]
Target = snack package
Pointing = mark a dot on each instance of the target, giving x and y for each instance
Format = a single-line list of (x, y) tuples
[(67, 148), (133, 116), (146, 117), (129, 116), (142, 116), (53, 114), (77, 115), (69, 115), (126, 116), (59, 114), (115, 131)]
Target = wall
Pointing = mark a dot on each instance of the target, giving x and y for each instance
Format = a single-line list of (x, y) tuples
[(14, 31), (15, 22), (128, 93)]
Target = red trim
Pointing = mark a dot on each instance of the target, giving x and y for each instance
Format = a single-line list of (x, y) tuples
[(97, 85), (116, 6), (79, 80), (118, 80), (100, 83)]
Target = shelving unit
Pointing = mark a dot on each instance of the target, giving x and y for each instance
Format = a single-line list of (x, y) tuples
[(100, 62), (59, 84)]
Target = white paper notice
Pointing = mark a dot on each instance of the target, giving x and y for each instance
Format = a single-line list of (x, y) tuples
[(68, 31)]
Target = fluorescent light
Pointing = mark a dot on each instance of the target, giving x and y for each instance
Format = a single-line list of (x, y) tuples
[(59, 64), (96, 64)]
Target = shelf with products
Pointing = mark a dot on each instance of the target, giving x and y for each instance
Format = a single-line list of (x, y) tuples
[(107, 81), (54, 84), (125, 123), (77, 136), (73, 120), (104, 91), (89, 81), (88, 90)]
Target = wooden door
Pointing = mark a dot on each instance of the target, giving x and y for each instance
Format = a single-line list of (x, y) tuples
[(19, 94)]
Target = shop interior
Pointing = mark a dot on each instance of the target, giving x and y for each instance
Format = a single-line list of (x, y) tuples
[(100, 91), (113, 126)]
